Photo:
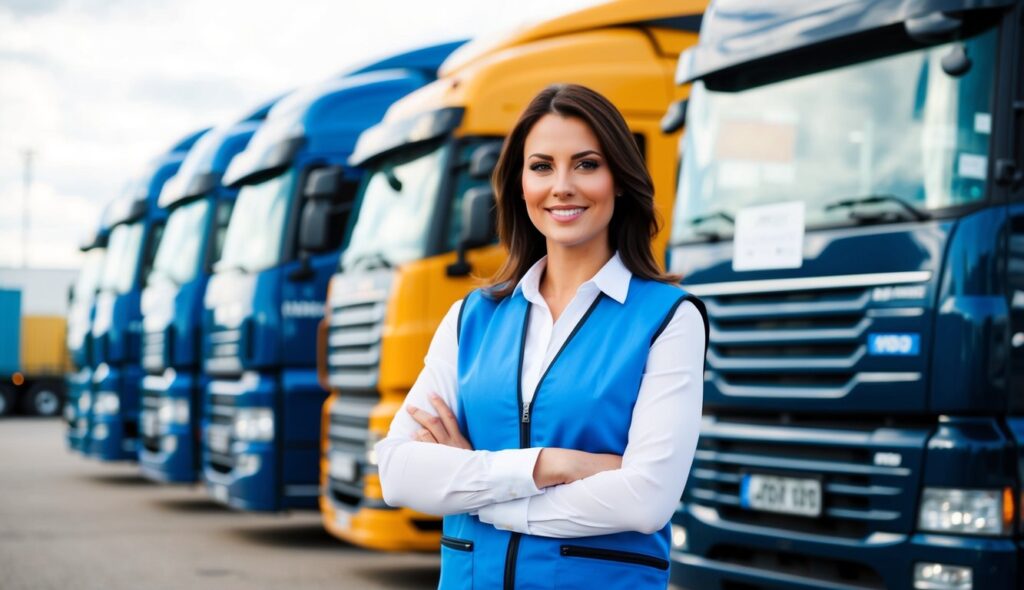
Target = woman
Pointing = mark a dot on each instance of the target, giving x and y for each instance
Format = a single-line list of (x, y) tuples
[(557, 414)]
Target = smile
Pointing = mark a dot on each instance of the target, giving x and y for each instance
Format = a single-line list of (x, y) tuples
[(567, 214)]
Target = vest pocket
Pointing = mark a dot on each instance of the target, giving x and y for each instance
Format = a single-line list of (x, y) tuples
[(609, 569), (456, 564)]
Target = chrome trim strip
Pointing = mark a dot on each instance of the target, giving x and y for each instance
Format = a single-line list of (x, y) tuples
[(809, 283)]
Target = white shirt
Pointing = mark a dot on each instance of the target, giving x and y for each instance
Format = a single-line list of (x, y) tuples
[(498, 486)]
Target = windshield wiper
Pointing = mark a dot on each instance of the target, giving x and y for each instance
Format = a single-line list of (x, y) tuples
[(710, 235), (375, 259), (904, 206)]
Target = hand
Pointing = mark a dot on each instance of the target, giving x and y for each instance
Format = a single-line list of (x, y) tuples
[(560, 466), (442, 429)]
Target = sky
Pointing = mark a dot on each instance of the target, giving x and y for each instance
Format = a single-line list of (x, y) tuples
[(93, 89)]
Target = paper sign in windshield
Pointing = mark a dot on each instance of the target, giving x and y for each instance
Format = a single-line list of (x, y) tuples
[(769, 237)]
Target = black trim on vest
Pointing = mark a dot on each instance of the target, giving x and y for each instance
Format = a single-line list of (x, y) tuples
[(614, 555), (672, 312), (458, 323)]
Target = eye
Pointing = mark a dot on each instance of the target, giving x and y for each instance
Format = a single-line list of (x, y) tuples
[(540, 166), (589, 164)]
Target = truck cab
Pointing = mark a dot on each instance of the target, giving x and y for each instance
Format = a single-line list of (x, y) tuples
[(850, 210), (198, 209), (80, 314), (261, 413), (136, 224), (424, 236)]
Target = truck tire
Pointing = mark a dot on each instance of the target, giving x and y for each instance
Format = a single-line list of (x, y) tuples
[(42, 399), (6, 400)]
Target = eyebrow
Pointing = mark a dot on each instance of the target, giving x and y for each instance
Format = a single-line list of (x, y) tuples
[(576, 156)]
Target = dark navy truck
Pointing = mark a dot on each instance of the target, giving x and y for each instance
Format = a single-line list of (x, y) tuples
[(198, 209), (262, 412), (851, 210)]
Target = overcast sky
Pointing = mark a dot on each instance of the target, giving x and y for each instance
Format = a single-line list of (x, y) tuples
[(95, 88)]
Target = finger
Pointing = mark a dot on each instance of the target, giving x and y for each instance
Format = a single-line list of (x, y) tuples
[(451, 423), (431, 422), (424, 435)]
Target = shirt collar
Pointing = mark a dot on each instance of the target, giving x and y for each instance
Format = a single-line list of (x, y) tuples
[(612, 280)]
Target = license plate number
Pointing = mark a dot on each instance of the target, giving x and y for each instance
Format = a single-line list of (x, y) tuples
[(218, 439), (786, 495), (342, 467)]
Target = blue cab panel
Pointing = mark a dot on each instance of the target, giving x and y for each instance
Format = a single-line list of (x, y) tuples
[(261, 407)]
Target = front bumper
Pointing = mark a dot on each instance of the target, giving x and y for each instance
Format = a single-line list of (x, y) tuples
[(115, 437), (375, 525), (169, 452), (722, 554)]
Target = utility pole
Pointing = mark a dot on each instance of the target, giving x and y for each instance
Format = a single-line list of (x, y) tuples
[(28, 154)]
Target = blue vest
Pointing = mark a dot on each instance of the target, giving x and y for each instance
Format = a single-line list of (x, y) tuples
[(584, 401)]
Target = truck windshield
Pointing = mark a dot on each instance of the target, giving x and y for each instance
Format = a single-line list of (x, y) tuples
[(122, 259), (397, 205), (89, 277), (896, 128), (253, 239), (177, 256)]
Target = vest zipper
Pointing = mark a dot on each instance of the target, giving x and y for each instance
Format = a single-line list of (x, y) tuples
[(614, 555), (524, 424), (457, 544)]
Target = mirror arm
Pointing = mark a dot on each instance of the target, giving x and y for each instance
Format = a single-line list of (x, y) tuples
[(305, 270), (461, 267)]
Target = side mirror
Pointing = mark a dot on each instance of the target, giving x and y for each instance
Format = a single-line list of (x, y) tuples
[(328, 200), (675, 118), (478, 220), (483, 160), (324, 183)]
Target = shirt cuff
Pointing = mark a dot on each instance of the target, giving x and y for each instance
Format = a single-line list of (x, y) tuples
[(511, 474), (508, 516)]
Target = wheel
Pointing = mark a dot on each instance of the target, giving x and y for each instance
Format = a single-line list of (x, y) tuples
[(42, 399), (6, 400)]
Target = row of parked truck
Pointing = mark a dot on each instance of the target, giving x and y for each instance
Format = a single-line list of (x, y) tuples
[(847, 200)]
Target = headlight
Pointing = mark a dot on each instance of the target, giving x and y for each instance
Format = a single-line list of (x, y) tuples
[(678, 537), (107, 402), (372, 438), (938, 576), (971, 512), (254, 424), (84, 403), (172, 410)]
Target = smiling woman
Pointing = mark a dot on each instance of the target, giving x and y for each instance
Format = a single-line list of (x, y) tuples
[(564, 401)]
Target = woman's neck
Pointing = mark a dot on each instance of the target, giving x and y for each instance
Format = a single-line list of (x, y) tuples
[(567, 269)]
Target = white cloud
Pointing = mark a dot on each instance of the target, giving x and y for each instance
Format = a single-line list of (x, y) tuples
[(96, 89)]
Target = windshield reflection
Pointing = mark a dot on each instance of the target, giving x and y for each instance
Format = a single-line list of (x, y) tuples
[(897, 128), (122, 260), (180, 249), (256, 229), (397, 204)]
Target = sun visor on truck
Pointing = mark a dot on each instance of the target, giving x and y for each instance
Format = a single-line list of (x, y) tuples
[(743, 31), (387, 136), (124, 210), (260, 161)]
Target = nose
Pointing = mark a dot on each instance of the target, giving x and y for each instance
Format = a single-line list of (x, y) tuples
[(563, 187)]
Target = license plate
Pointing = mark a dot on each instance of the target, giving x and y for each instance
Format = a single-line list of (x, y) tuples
[(342, 467), (786, 495), (220, 493), (218, 439)]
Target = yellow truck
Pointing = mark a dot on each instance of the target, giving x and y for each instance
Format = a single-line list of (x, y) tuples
[(423, 236), (33, 356)]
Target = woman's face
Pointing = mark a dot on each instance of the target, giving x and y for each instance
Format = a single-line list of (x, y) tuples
[(567, 184)]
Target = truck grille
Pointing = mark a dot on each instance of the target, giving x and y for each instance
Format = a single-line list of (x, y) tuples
[(861, 492), (225, 349), (354, 338), (148, 421), (349, 427), (153, 346), (221, 412)]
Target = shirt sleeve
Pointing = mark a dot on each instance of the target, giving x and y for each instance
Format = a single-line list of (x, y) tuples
[(438, 479), (644, 493)]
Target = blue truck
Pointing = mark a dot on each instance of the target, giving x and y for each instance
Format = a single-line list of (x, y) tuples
[(261, 418), (79, 323), (198, 209), (136, 224), (851, 211)]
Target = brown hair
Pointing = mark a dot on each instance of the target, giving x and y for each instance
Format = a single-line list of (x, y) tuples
[(634, 221)]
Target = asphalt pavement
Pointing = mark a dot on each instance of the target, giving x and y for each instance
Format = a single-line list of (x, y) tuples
[(67, 522)]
